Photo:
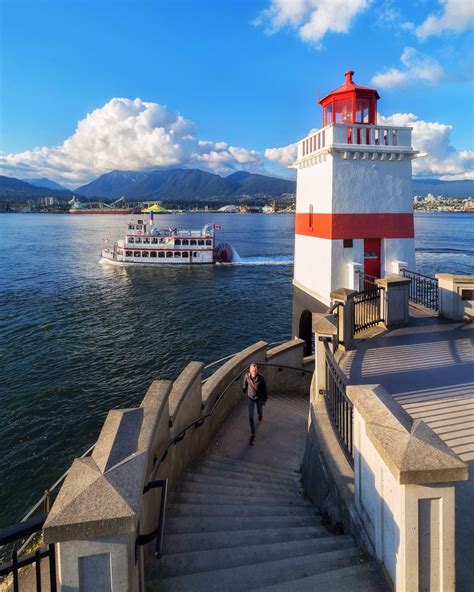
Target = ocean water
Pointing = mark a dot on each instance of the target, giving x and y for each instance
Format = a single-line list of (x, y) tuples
[(78, 338)]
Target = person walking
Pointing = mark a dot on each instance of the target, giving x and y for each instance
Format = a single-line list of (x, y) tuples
[(256, 390)]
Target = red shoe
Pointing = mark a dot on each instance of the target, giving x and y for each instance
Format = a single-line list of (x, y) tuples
[(252, 440)]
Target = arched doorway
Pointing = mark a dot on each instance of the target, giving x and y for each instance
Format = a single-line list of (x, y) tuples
[(306, 331)]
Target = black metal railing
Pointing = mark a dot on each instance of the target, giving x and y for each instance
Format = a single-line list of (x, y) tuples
[(335, 310), (367, 311), (338, 404), (423, 289), (11, 535), (196, 423), (366, 281)]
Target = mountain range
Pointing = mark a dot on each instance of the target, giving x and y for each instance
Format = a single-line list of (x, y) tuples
[(184, 185), (181, 185)]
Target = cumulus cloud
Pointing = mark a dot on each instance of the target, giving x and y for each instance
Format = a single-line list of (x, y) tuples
[(456, 16), (312, 19), (283, 156), (432, 138), (128, 135), (417, 67)]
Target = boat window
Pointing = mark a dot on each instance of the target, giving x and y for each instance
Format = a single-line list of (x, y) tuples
[(208, 242), (138, 240), (162, 241), (154, 241), (153, 254), (185, 254), (131, 227), (136, 254), (144, 253), (161, 254), (177, 254), (169, 254), (128, 253), (195, 254), (131, 239), (200, 242), (185, 241), (177, 241), (146, 241), (192, 242)]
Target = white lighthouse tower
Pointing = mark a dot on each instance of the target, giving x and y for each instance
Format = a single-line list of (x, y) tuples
[(354, 203)]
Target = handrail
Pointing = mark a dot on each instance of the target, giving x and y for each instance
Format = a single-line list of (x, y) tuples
[(159, 532), (200, 420)]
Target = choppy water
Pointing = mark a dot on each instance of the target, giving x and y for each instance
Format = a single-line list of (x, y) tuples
[(78, 338)]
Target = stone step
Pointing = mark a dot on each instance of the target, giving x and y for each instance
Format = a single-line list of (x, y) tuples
[(222, 479), (246, 577), (364, 577), (242, 476), (238, 509), (284, 472), (240, 470), (293, 402), (236, 490), (182, 543), (290, 407), (245, 500), (180, 564), (199, 524)]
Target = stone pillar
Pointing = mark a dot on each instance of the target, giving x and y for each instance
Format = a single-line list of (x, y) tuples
[(345, 316), (456, 296), (397, 267), (355, 269), (394, 300), (324, 327), (404, 494)]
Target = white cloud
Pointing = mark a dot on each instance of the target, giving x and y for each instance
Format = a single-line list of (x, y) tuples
[(432, 138), (312, 19), (456, 16), (283, 156), (127, 135), (417, 68)]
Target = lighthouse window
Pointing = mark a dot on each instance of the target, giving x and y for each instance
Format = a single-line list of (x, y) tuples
[(362, 110), (128, 253), (348, 243), (161, 254), (153, 254), (311, 216), (208, 242), (343, 109), (327, 115)]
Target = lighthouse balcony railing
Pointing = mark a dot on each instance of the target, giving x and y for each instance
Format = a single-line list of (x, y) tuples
[(374, 136)]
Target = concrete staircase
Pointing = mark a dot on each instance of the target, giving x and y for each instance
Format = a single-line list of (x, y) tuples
[(235, 524)]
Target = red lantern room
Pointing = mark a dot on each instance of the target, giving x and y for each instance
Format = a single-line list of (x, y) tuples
[(350, 103)]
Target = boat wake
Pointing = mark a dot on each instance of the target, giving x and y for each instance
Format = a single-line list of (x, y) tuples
[(233, 258)]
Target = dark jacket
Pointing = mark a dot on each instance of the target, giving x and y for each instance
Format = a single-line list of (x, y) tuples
[(255, 388)]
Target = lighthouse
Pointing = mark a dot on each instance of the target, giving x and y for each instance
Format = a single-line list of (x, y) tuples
[(354, 201)]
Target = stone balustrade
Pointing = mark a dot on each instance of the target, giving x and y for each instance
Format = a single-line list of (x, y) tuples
[(456, 296), (101, 508), (396, 496)]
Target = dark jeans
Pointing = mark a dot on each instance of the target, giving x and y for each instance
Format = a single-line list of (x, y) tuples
[(251, 404)]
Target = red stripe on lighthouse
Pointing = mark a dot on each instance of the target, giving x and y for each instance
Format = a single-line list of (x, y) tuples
[(337, 226)]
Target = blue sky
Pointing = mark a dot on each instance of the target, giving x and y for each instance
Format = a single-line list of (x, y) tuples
[(241, 74)]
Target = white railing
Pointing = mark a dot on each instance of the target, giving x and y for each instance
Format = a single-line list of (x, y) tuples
[(354, 134)]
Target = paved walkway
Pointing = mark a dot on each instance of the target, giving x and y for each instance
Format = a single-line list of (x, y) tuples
[(428, 367)]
